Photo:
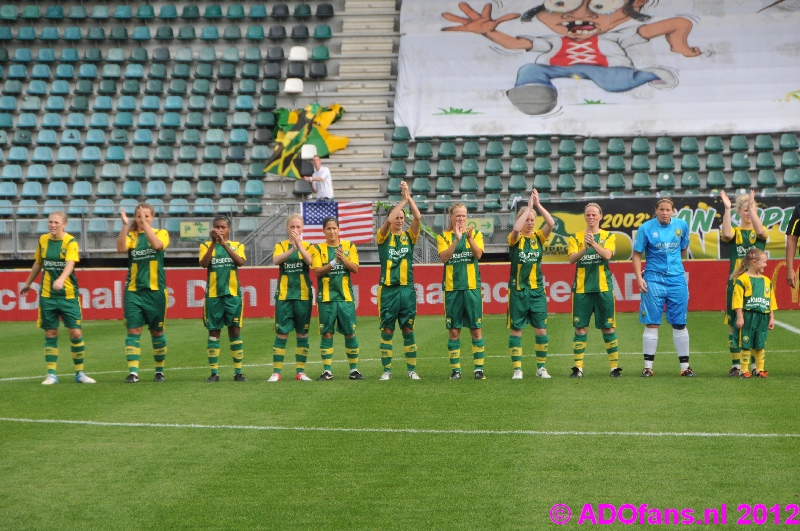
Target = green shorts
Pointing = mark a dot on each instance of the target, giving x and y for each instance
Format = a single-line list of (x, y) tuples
[(69, 310), (222, 311), (526, 306), (292, 315), (397, 304), (730, 315), (339, 316), (463, 309), (603, 306), (148, 307), (753, 335)]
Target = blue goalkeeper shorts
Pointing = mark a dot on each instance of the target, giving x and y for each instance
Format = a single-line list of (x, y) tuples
[(671, 292)]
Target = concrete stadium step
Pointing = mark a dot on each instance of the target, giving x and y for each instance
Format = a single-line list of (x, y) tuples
[(368, 25), (353, 6), (367, 46)]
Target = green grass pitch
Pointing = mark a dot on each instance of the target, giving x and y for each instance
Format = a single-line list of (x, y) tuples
[(434, 453)]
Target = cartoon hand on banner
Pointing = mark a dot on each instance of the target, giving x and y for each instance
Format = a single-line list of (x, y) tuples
[(474, 22)]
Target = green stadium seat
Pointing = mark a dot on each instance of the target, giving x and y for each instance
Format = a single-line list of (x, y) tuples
[(491, 203), (320, 53), (517, 183), (421, 168), (766, 179), (442, 203), (640, 163), (739, 144), (393, 186), (765, 161), (513, 201), (764, 143), (322, 32), (791, 177), (190, 12), (716, 180), (400, 134), (790, 159), (471, 149), (542, 148), (203, 206), (591, 182), (665, 181), (542, 183), (567, 147), (447, 150), (423, 150), (422, 203), (591, 164), (640, 146), (518, 166), (690, 162), (55, 12), (740, 161), (205, 189), (31, 13), (689, 145), (664, 145), (495, 149), (615, 182), (665, 163), (494, 167), (566, 164), (714, 161), (690, 180), (616, 164), (399, 150), (566, 182), (788, 142), (713, 144), (741, 179), (421, 185), (446, 167), (591, 146), (468, 184), (469, 167), (519, 148), (230, 188), (641, 181), (616, 146), (492, 184)]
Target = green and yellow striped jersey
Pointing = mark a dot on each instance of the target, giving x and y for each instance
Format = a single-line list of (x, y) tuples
[(335, 286), (592, 274), (461, 271), (145, 264), (223, 277), (754, 294), (526, 259), (294, 283), (741, 242), (53, 256), (396, 253)]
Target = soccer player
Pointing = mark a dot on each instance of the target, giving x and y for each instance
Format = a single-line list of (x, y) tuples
[(460, 248), (792, 232), (333, 262), (146, 287), (755, 304), (56, 255), (527, 302), (397, 300), (593, 289), (750, 233), (293, 298), (666, 241), (223, 302)]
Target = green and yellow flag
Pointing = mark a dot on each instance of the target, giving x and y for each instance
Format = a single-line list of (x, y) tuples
[(306, 126)]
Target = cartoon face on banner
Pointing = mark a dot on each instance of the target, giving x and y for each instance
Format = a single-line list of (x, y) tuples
[(588, 39)]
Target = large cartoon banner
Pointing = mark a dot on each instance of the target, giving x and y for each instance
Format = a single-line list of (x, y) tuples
[(703, 215), (601, 67)]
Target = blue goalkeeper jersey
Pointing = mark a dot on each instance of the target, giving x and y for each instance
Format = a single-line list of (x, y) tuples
[(662, 245)]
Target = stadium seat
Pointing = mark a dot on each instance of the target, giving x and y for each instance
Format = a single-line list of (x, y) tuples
[(421, 168), (665, 163), (517, 183), (766, 179), (640, 146), (616, 164), (492, 184), (469, 167), (616, 146), (739, 144), (591, 146), (790, 159), (765, 161), (566, 182), (591, 182), (542, 148), (716, 180), (518, 166), (665, 181), (397, 168), (615, 182), (690, 180), (445, 167), (591, 164), (468, 185), (740, 161), (640, 163), (421, 185), (641, 181), (541, 183), (788, 142), (690, 162), (741, 179), (495, 149)]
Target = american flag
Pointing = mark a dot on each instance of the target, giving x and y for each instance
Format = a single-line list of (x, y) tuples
[(355, 221)]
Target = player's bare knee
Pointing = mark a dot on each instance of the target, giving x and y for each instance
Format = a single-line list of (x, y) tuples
[(584, 330)]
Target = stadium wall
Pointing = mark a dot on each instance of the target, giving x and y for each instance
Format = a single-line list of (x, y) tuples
[(102, 290)]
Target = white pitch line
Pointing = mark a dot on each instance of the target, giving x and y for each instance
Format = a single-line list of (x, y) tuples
[(66, 375), (788, 327), (409, 431)]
